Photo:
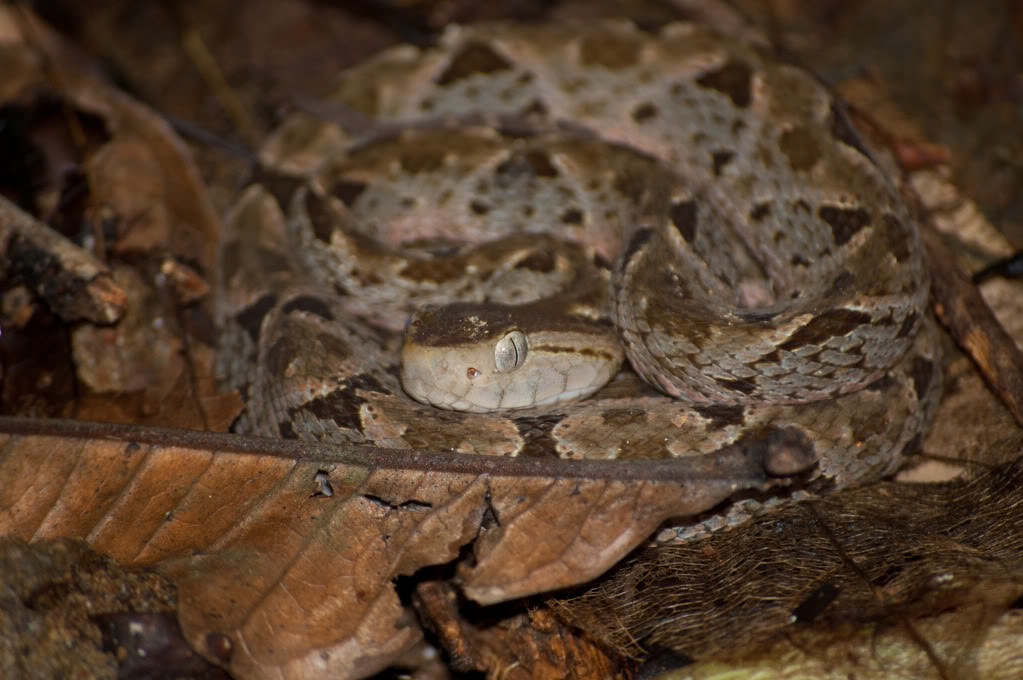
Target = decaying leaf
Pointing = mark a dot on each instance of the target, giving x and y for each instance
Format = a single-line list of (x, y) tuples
[(523, 640), (141, 175), (127, 188), (75, 284), (284, 552)]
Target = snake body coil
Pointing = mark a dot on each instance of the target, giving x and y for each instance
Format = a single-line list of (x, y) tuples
[(551, 202)]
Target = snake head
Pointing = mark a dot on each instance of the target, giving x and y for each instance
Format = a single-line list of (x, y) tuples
[(486, 357)]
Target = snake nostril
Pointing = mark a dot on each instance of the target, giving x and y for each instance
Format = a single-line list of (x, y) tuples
[(472, 373)]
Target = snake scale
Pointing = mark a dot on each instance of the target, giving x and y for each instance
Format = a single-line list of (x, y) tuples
[(678, 197)]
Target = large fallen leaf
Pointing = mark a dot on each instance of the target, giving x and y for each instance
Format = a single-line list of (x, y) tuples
[(284, 552)]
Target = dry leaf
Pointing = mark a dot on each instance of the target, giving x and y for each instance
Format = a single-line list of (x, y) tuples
[(284, 552), (533, 643), (143, 177), (142, 201), (73, 282)]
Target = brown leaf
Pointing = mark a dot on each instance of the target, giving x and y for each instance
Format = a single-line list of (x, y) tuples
[(964, 312), (532, 643), (284, 552), (72, 281), (142, 200), (190, 400), (142, 177)]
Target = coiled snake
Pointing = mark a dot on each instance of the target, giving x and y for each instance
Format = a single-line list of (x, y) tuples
[(582, 195)]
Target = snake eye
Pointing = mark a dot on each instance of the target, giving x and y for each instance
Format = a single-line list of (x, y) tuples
[(511, 351)]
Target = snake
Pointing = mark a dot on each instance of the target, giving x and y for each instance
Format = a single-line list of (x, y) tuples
[(583, 242)]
